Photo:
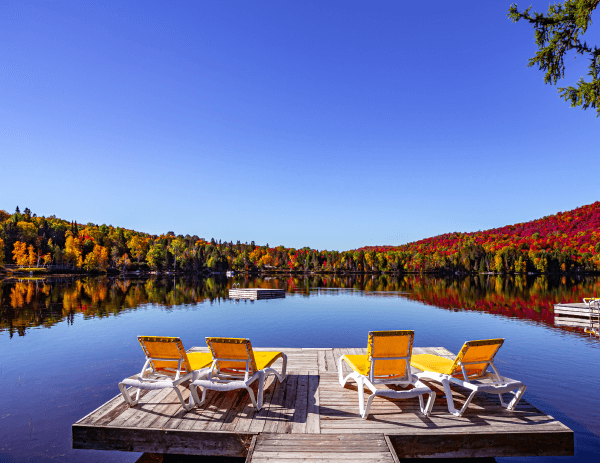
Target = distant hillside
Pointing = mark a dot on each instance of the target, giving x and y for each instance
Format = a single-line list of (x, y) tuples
[(565, 242), (561, 242)]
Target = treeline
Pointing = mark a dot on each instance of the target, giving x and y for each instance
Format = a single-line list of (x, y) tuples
[(565, 242)]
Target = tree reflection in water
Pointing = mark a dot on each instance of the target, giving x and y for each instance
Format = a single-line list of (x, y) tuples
[(45, 302)]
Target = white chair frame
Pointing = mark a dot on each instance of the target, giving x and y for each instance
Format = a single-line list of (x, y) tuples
[(486, 382), (370, 381), (218, 381), (160, 381)]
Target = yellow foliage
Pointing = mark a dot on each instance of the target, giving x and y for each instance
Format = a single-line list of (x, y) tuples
[(73, 251), (520, 265), (27, 230), (20, 253), (498, 262), (16, 295), (267, 259), (97, 259), (32, 257), (103, 258), (137, 246)]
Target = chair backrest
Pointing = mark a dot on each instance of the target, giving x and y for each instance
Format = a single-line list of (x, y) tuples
[(389, 354), (232, 355), (475, 356), (165, 353)]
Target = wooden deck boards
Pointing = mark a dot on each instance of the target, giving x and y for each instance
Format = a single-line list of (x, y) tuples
[(310, 414), (364, 448)]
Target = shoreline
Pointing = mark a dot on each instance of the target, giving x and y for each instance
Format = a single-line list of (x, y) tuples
[(14, 274)]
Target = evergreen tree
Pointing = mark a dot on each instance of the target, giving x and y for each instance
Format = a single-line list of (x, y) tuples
[(558, 32)]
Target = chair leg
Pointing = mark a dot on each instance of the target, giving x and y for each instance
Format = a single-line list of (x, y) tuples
[(449, 398), (466, 404), (430, 403), (251, 394), (196, 397), (365, 414), (271, 371), (361, 396), (283, 368), (131, 402), (262, 378), (513, 403), (185, 406), (341, 372)]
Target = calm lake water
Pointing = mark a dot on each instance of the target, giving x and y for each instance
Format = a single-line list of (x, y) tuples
[(65, 344)]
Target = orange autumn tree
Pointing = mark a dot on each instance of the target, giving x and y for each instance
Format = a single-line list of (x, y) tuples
[(1, 252), (137, 246), (20, 253), (102, 258), (97, 259), (47, 259), (31, 256), (73, 250)]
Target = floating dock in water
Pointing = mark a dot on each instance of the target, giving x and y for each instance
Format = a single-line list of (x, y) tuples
[(311, 417), (578, 315), (256, 293)]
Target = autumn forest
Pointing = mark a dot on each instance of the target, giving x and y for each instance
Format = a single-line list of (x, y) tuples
[(560, 243)]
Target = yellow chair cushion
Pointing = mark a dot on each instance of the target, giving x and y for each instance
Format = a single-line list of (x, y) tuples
[(434, 363), (359, 363), (265, 359), (199, 360)]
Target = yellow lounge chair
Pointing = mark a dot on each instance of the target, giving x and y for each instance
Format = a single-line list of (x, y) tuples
[(469, 369), (236, 366), (387, 362), (167, 365)]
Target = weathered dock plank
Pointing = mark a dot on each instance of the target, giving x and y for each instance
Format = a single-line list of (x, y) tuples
[(484, 444), (161, 441), (310, 416), (368, 448)]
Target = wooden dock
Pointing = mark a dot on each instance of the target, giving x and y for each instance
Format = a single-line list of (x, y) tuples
[(578, 315), (256, 293), (311, 417)]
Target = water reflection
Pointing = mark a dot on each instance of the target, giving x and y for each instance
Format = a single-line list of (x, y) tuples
[(45, 302)]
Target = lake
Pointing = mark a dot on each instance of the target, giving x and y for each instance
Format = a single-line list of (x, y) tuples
[(66, 343)]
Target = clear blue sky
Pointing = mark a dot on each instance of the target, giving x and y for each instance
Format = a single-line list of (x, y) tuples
[(331, 124)]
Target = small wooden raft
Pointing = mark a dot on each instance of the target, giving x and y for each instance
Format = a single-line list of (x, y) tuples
[(578, 315), (256, 293), (311, 417)]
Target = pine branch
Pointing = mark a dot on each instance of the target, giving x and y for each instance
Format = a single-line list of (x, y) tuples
[(557, 33)]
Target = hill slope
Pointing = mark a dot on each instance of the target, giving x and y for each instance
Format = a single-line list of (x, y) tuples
[(560, 242)]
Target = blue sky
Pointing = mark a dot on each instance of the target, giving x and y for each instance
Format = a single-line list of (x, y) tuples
[(331, 124)]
